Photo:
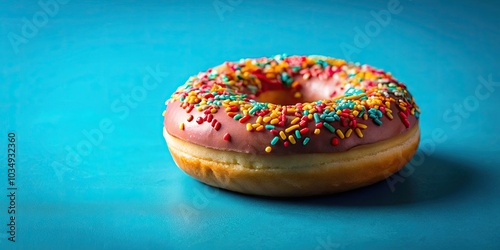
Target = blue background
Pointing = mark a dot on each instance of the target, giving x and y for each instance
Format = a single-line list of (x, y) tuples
[(72, 76)]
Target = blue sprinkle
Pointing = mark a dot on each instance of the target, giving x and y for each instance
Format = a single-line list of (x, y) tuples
[(316, 117), (329, 127), (274, 140), (269, 127), (297, 134), (306, 140)]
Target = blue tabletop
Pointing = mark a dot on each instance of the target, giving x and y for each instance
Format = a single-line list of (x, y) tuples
[(83, 86)]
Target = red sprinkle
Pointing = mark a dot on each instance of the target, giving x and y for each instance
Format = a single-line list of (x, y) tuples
[(190, 108), (335, 141), (304, 130), (199, 120), (319, 125), (302, 123), (217, 126), (245, 118), (214, 121), (285, 144), (275, 132), (210, 117), (406, 123), (227, 137)]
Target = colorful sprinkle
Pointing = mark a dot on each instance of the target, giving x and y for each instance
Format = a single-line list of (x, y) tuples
[(366, 94)]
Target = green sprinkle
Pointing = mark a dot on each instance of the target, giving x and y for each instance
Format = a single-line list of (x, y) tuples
[(253, 110), (377, 121), (329, 119), (269, 127), (329, 127), (237, 116), (316, 118), (297, 134), (305, 141), (275, 140)]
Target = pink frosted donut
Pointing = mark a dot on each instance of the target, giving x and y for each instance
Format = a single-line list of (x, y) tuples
[(291, 126)]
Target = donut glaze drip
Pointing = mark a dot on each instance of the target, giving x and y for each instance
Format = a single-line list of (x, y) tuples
[(337, 106)]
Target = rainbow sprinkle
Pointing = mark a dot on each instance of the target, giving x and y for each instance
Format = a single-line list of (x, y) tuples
[(232, 87)]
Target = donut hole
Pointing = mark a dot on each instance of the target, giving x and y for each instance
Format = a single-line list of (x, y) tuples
[(311, 90), (280, 97)]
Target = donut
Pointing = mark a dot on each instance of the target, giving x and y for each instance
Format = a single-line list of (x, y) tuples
[(291, 126)]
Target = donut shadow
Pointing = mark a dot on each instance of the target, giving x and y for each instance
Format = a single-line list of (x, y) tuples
[(438, 177)]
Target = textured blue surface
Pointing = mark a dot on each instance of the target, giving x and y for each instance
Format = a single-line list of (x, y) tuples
[(93, 170)]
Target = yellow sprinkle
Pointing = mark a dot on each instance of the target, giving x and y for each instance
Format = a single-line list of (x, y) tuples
[(316, 131), (255, 125), (228, 109), (249, 127), (259, 128), (354, 97), (181, 126), (259, 120), (213, 110), (199, 108), (355, 113), (337, 97), (282, 135), (163, 113), (295, 121), (412, 111), (340, 133), (268, 149), (297, 95), (274, 115), (348, 133), (402, 107), (387, 104), (358, 132), (310, 116), (292, 128), (361, 125), (389, 114), (275, 121), (266, 119), (291, 139), (365, 116)]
